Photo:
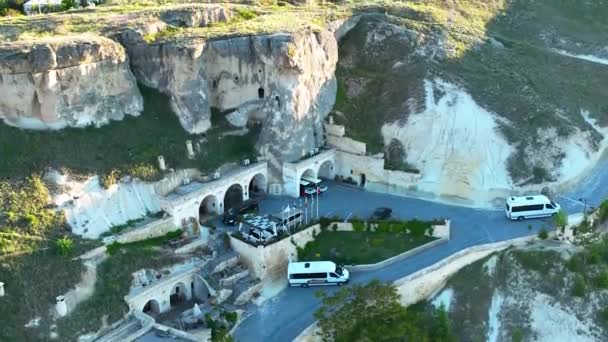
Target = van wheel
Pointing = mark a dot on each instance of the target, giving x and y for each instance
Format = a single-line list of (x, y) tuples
[(304, 285), (520, 218), (340, 283)]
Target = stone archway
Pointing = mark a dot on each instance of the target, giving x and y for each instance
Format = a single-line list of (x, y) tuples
[(257, 185), (233, 196), (327, 170), (209, 207), (308, 173), (151, 307), (179, 294)]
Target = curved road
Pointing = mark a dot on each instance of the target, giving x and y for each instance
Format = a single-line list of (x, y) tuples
[(286, 315)]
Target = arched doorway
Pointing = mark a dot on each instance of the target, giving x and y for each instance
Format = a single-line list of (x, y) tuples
[(178, 294), (305, 185), (257, 186), (327, 170), (208, 208), (233, 196), (151, 307)]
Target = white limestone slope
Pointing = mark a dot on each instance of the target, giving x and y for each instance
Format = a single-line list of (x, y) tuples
[(589, 58), (92, 210), (456, 146)]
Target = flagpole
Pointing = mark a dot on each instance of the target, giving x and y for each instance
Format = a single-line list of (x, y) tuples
[(317, 203), (306, 210)]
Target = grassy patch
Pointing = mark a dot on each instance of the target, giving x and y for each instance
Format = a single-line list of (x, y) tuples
[(359, 247), (129, 146), (539, 261), (114, 277), (31, 283), (27, 220)]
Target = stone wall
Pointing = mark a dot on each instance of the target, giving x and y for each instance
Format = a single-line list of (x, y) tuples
[(172, 180), (347, 144), (425, 282), (376, 177), (272, 260), (151, 230)]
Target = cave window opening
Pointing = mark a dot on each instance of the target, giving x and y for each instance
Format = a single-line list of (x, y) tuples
[(214, 84), (261, 93), (278, 100)]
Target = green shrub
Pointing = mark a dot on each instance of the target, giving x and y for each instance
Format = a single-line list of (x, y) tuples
[(601, 280), (574, 264), (144, 172), (334, 227), (579, 288), (109, 179), (417, 228), (517, 335), (245, 14), (383, 227), (603, 317), (209, 321), (231, 316), (68, 4), (543, 234), (324, 222), (358, 226), (603, 211), (64, 246)]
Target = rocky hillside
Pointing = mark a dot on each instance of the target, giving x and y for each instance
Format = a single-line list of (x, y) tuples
[(543, 292), (466, 93), (250, 66), (478, 95)]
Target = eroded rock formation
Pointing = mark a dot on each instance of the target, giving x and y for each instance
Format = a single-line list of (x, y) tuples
[(284, 80), (69, 81)]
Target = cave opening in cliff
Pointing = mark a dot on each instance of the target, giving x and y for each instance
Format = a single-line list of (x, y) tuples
[(261, 93)]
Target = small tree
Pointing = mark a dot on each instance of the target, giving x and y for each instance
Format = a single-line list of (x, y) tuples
[(372, 312), (560, 220), (67, 4), (64, 245)]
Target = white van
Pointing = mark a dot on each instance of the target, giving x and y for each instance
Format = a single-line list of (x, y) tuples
[(523, 207), (309, 273)]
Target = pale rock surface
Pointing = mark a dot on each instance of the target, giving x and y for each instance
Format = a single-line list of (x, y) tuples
[(455, 144), (284, 80), (69, 81), (92, 210)]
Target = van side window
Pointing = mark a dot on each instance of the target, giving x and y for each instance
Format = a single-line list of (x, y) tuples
[(549, 206), (333, 275)]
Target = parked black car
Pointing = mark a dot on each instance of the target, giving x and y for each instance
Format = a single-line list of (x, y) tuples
[(231, 216), (382, 213)]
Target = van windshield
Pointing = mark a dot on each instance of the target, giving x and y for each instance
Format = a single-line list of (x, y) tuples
[(339, 270)]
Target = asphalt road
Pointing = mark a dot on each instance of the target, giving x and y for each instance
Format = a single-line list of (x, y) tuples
[(285, 316)]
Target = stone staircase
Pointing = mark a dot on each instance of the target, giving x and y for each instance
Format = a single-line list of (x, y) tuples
[(230, 279), (128, 329)]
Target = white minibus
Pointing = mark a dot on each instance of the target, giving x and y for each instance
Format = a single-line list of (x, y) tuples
[(310, 273), (519, 208)]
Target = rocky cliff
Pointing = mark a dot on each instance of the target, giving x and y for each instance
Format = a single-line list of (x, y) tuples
[(284, 80), (70, 81)]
